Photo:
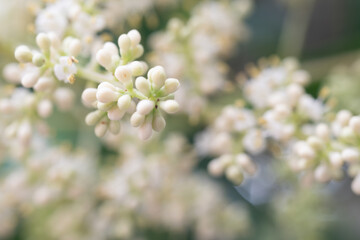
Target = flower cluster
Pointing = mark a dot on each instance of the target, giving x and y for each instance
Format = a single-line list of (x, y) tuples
[(274, 108), (193, 50), (144, 98)]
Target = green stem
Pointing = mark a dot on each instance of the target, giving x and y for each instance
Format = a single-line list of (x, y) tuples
[(94, 76)]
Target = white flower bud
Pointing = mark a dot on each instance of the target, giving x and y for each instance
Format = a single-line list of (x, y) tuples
[(304, 150), (12, 73), (106, 95), (55, 40), (135, 37), (124, 102), (74, 47), (355, 185), (282, 111), (355, 124), (24, 132), (143, 85), (124, 74), (138, 51), (94, 117), (88, 96), (322, 173), (104, 58), (145, 130), (315, 142), (104, 106), (294, 92), (335, 159), (137, 119), (115, 113), (350, 155), (245, 162), (44, 83), (322, 131), (100, 129), (23, 54), (347, 133), (38, 59), (29, 79), (158, 123), (111, 48), (215, 168), (45, 108), (64, 98), (169, 106), (343, 117), (301, 77), (144, 107), (157, 77), (115, 127), (43, 41), (124, 43), (138, 68), (234, 174), (171, 85)]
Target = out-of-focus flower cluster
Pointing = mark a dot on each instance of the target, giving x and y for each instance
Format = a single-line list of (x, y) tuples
[(120, 198), (194, 50)]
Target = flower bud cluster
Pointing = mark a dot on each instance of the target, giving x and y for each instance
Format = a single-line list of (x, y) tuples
[(234, 167), (53, 58), (275, 107), (146, 99), (194, 50)]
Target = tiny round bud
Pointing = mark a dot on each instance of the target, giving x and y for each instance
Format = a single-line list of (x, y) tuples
[(145, 130), (171, 85), (24, 132), (124, 102), (75, 47), (100, 129), (45, 108), (88, 96), (23, 54), (322, 173), (157, 77), (301, 77), (64, 98), (138, 68), (43, 41), (104, 58), (29, 79), (111, 48), (144, 107), (322, 131), (115, 127), (106, 95), (94, 117), (315, 142), (355, 124), (38, 59), (124, 74), (138, 51), (169, 106), (245, 162), (350, 155), (215, 168), (343, 117), (234, 174), (134, 37), (124, 43), (137, 119), (143, 85), (159, 122), (335, 159), (115, 113)]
